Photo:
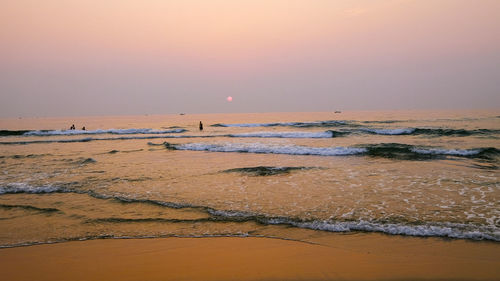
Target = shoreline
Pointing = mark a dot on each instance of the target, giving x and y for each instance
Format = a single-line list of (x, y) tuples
[(324, 257)]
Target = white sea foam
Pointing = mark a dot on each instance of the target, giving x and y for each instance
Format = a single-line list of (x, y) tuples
[(327, 134), (26, 188), (402, 131), (452, 230), (431, 229), (306, 150), (273, 149), (88, 139), (443, 230), (101, 131)]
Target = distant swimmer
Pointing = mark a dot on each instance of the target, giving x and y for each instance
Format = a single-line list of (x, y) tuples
[(201, 126), (83, 128), (72, 127)]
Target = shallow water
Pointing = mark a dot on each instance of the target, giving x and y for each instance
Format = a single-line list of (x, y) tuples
[(400, 173)]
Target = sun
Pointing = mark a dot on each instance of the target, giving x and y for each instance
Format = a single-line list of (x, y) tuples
[(229, 99)]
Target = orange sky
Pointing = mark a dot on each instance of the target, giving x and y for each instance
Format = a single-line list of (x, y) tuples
[(242, 39)]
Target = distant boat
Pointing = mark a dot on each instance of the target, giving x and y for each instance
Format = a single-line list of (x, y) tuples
[(338, 111), (182, 113)]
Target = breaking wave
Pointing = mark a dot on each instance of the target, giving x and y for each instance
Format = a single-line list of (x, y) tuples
[(429, 229), (451, 230), (403, 131), (411, 152), (386, 150), (446, 229), (152, 134), (271, 149), (98, 132), (330, 123), (430, 131), (88, 139), (326, 134), (26, 188), (454, 132)]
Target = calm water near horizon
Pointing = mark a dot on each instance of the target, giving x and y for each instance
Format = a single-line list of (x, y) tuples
[(415, 173)]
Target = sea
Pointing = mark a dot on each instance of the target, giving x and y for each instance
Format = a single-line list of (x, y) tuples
[(403, 173)]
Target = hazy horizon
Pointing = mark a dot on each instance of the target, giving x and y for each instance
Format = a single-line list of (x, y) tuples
[(88, 58)]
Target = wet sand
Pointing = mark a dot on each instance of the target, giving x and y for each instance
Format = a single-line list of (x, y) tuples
[(329, 257)]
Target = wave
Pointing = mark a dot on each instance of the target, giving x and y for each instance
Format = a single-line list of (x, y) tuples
[(289, 134), (386, 150), (88, 132), (19, 156), (26, 188), (326, 134), (85, 161), (411, 152), (383, 121), (265, 170), (110, 236), (462, 119), (88, 139), (445, 229), (13, 133), (330, 123), (430, 131), (451, 230), (98, 132), (424, 229), (403, 131), (17, 188), (268, 149), (172, 127), (30, 208), (378, 131), (334, 123), (246, 125), (454, 132)]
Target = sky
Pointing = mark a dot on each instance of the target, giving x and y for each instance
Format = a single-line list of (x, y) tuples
[(120, 57)]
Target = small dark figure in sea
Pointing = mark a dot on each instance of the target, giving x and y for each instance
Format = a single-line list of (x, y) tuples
[(72, 127), (83, 128), (201, 126)]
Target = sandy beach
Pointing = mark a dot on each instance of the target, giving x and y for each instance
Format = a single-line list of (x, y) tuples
[(330, 257)]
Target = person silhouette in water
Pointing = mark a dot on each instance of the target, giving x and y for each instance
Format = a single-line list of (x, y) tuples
[(201, 126), (72, 127)]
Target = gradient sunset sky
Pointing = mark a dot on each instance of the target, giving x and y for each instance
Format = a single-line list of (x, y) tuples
[(109, 57)]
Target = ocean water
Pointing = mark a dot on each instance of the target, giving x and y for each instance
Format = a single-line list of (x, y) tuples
[(414, 173)]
